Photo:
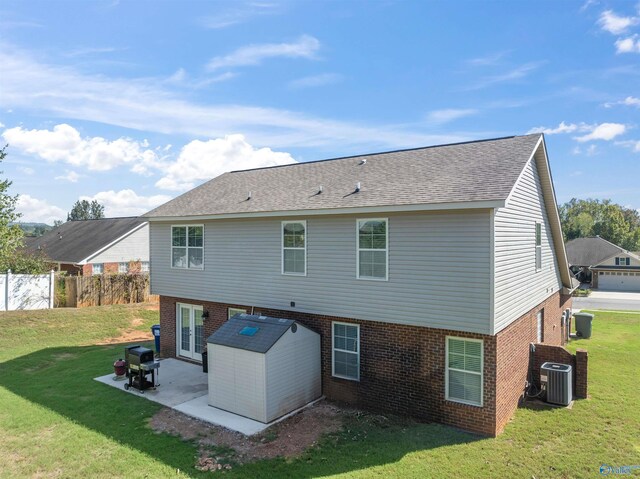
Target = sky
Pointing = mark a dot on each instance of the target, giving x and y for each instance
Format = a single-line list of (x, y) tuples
[(133, 103)]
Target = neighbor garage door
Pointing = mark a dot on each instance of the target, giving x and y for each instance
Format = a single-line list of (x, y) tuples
[(617, 281)]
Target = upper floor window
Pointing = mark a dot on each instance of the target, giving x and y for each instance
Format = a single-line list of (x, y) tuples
[(123, 267), (98, 268), (294, 247), (373, 240), (187, 247), (538, 246), (623, 261)]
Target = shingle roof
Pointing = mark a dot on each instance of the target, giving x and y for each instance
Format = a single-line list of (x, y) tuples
[(590, 251), (475, 171), (269, 330), (74, 241)]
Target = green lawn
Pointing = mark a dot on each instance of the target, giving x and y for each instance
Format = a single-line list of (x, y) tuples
[(55, 421)]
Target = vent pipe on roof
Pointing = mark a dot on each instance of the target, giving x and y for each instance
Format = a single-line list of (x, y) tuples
[(320, 189), (364, 161), (249, 197), (357, 187)]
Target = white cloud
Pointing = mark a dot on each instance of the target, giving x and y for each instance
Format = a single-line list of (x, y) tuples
[(517, 73), (26, 170), (148, 104), (449, 114), (203, 160), (38, 211), (126, 202), (316, 80), (488, 60), (604, 131), (628, 45), (629, 101), (615, 24), (65, 144), (561, 128), (71, 177), (240, 15), (305, 47), (633, 144)]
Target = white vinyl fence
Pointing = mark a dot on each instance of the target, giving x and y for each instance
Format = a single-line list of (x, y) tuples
[(26, 291)]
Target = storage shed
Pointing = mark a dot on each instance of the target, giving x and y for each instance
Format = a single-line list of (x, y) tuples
[(263, 368)]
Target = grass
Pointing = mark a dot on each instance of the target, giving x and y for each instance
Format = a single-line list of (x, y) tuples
[(55, 421)]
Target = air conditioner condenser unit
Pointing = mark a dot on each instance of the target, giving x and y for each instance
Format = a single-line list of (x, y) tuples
[(556, 380)]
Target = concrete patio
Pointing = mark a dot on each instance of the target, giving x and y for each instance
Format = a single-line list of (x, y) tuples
[(184, 387)]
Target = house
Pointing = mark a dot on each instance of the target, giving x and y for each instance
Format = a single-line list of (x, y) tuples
[(603, 264), (108, 245), (427, 272)]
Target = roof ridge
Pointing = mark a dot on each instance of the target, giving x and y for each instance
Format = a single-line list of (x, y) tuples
[(401, 150)]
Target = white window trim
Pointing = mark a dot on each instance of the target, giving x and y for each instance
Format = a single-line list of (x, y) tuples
[(142, 266), (333, 350), (93, 268), (446, 371), (126, 267), (540, 327), (538, 247), (386, 250), (186, 247), (235, 311), (304, 222)]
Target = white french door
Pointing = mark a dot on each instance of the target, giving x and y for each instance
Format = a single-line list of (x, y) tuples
[(189, 331)]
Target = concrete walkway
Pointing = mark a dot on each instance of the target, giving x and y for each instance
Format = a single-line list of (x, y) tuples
[(184, 387)]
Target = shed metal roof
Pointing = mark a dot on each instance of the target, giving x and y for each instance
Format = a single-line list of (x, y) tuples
[(75, 241), (269, 331), (478, 171)]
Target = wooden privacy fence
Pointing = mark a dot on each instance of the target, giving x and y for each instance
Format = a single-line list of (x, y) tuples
[(99, 290)]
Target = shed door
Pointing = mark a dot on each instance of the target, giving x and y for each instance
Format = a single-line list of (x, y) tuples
[(189, 332), (619, 281)]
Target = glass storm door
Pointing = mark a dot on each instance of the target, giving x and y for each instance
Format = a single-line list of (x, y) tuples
[(190, 331)]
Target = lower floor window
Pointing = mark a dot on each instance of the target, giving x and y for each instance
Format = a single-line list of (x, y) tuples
[(98, 268), (231, 312), (346, 350), (464, 366)]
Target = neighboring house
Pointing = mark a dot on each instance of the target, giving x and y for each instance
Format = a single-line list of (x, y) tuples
[(109, 245), (427, 272), (603, 264)]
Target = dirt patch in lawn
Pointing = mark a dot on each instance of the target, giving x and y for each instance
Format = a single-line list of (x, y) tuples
[(220, 447), (130, 334)]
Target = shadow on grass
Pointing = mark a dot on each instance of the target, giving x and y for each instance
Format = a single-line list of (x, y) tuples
[(61, 379)]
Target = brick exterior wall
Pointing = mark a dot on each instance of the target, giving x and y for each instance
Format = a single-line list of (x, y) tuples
[(402, 368), (87, 270), (107, 268), (513, 353)]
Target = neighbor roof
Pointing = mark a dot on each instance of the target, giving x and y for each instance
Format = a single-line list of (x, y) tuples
[(75, 241), (476, 171), (590, 251), (269, 330)]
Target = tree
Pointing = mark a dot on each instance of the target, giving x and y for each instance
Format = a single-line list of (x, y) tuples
[(615, 223), (10, 233), (57, 223), (83, 210)]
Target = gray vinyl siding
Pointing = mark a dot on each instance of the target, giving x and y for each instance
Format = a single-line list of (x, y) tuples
[(293, 372), (518, 286), (134, 247), (439, 269)]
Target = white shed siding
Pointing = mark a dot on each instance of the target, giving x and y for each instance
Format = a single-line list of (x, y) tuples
[(134, 247), (293, 372), (439, 269), (237, 381), (518, 287)]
